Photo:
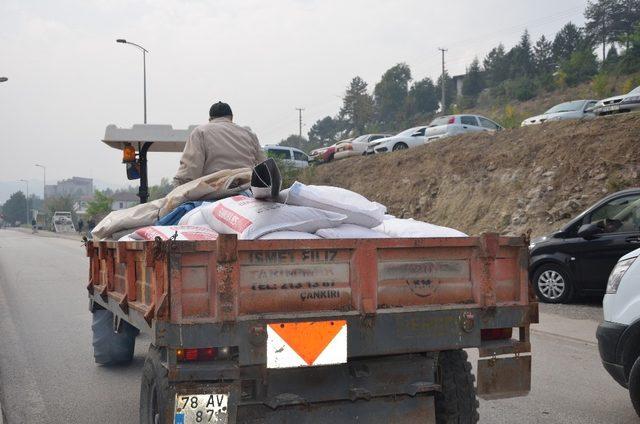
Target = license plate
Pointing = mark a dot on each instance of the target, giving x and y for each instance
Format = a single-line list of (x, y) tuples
[(306, 344), (611, 108), (201, 408)]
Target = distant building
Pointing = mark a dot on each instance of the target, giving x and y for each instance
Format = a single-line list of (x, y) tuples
[(123, 200), (458, 83), (80, 206), (75, 187)]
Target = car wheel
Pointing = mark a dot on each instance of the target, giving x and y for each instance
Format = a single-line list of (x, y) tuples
[(552, 284), (634, 386), (400, 146)]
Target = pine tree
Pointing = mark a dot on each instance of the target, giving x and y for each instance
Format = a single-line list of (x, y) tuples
[(543, 56), (357, 106), (473, 81), (496, 66)]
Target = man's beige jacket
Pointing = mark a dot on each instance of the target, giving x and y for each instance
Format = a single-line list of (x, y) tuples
[(215, 146)]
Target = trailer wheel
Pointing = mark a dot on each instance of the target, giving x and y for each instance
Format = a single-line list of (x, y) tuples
[(109, 347), (456, 403), (155, 393)]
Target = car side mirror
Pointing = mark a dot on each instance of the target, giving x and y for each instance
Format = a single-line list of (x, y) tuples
[(589, 231), (589, 110)]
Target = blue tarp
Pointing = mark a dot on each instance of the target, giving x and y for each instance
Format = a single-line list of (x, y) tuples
[(174, 216)]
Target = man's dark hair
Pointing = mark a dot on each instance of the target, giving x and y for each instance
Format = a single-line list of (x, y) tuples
[(219, 110)]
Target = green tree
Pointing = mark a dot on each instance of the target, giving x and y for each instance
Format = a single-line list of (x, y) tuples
[(580, 67), (567, 40), (521, 58), (15, 208), (624, 21), (496, 66), (390, 94), (423, 97), (294, 140), (473, 81), (543, 56), (357, 107), (325, 132), (100, 205), (599, 25), (161, 190), (449, 92)]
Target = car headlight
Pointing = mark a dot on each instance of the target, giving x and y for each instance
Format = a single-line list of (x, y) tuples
[(634, 99), (616, 275)]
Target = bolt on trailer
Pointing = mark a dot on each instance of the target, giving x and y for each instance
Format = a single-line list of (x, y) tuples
[(310, 331)]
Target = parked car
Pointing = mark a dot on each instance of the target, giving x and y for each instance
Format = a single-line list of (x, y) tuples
[(289, 155), (326, 154), (619, 104), (576, 109), (357, 146), (579, 258), (408, 138), (619, 334), (446, 126)]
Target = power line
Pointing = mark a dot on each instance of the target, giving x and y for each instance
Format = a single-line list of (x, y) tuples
[(300, 109)]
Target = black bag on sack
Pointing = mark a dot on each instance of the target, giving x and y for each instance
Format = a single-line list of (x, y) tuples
[(266, 180)]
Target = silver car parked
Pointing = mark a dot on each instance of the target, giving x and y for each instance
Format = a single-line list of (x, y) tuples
[(629, 102), (577, 109)]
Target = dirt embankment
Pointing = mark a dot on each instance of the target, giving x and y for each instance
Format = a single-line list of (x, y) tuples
[(527, 178)]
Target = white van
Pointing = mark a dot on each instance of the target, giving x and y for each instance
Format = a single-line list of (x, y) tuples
[(289, 155), (619, 333)]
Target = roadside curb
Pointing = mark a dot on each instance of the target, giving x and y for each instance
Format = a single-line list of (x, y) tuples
[(49, 234)]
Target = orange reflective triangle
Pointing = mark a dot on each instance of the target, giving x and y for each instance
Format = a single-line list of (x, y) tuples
[(308, 339)]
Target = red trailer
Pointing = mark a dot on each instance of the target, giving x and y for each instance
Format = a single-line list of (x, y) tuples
[(306, 331)]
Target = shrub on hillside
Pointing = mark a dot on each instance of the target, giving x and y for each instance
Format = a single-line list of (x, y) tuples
[(600, 85), (510, 118), (630, 84), (581, 66)]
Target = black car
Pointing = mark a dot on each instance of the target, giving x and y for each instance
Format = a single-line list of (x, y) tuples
[(579, 258)]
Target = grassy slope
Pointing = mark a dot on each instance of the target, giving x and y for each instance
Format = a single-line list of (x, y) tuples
[(496, 109), (527, 178)]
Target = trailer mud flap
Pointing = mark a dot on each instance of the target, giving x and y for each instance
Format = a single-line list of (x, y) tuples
[(500, 378)]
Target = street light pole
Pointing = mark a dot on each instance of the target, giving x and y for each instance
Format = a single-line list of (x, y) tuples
[(44, 183), (144, 71), (25, 181)]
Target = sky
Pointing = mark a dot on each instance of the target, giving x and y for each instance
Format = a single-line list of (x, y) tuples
[(69, 79)]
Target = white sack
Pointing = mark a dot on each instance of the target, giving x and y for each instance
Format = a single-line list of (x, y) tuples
[(289, 235), (209, 187), (358, 209), (251, 218), (185, 232), (126, 219), (349, 231), (128, 237), (411, 228), (194, 217)]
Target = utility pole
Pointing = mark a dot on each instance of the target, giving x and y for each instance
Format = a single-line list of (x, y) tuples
[(443, 82), (300, 109)]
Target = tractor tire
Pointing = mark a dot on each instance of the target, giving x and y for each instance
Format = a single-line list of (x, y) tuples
[(456, 403)]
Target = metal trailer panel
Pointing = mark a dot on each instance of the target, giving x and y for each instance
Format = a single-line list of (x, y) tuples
[(397, 295)]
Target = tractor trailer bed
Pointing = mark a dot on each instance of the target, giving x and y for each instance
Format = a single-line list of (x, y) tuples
[(319, 330)]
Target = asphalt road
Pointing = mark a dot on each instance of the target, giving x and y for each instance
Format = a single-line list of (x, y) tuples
[(47, 374)]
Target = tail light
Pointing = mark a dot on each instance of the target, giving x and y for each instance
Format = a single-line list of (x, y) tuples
[(496, 333), (203, 354), (452, 120), (348, 147)]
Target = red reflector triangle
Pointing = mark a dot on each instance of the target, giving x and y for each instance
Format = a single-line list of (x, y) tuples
[(308, 339)]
